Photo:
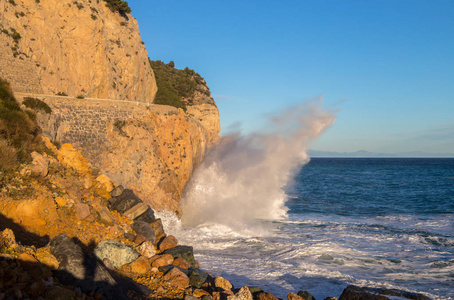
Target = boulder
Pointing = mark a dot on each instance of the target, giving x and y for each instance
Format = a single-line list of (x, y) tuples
[(185, 252), (243, 294), (158, 228), (117, 191), (136, 211), (206, 297), (176, 278), (147, 216), (82, 270), (181, 263), (167, 243), (40, 165), (125, 201), (145, 229), (364, 293), (305, 295), (147, 249), (117, 253), (162, 260), (82, 211), (140, 266), (197, 278), (222, 283), (266, 296), (293, 296)]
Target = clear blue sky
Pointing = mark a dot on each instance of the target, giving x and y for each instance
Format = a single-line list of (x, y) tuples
[(393, 60)]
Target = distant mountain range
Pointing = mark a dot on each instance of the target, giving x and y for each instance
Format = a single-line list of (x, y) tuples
[(364, 153)]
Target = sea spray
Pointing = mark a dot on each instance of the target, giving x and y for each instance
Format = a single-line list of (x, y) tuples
[(242, 178)]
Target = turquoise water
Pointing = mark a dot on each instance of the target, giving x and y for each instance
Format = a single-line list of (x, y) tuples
[(366, 221)]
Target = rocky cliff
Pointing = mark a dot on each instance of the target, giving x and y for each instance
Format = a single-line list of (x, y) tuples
[(78, 48), (69, 54)]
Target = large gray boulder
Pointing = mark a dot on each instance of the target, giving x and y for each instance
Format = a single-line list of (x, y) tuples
[(364, 293), (117, 253), (145, 230)]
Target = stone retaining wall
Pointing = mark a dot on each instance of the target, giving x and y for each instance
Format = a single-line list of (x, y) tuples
[(86, 123)]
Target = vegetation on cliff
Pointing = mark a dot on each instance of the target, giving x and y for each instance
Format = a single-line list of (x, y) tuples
[(118, 5), (176, 87), (18, 130)]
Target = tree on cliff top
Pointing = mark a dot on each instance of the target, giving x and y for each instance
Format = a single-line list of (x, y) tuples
[(118, 5), (175, 85)]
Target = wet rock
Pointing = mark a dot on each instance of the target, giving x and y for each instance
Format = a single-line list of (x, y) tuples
[(305, 295), (364, 293), (181, 263), (222, 283), (146, 230), (167, 243), (185, 252), (82, 210), (81, 270), (147, 249), (162, 260), (158, 228), (243, 294), (125, 201), (176, 278), (293, 296), (197, 278), (266, 296), (117, 253)]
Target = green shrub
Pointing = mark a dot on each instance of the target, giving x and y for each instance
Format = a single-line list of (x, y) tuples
[(17, 128), (174, 85), (36, 104), (118, 6)]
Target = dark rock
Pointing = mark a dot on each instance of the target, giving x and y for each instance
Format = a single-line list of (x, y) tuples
[(158, 228), (305, 295), (185, 252), (117, 253), (145, 229), (147, 216), (364, 293), (82, 270), (124, 202), (255, 290), (60, 293), (197, 278), (293, 296), (206, 297), (117, 191)]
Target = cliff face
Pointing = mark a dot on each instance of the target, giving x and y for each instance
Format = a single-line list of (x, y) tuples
[(73, 47), (82, 48)]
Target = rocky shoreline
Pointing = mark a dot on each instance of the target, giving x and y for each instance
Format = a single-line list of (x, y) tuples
[(83, 238)]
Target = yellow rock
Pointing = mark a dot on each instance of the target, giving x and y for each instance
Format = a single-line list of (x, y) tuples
[(60, 201), (72, 157), (45, 257), (104, 180)]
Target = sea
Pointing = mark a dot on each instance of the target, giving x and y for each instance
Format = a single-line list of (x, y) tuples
[(376, 222)]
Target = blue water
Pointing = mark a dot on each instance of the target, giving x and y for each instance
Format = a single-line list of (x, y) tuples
[(374, 222)]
